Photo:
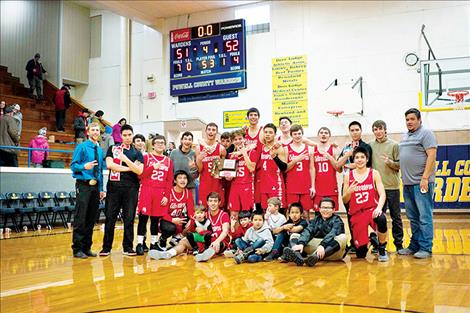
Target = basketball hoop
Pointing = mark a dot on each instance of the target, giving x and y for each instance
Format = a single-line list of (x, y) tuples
[(459, 96), (335, 113)]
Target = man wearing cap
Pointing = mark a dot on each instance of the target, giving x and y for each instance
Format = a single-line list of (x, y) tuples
[(80, 125), (8, 137), (87, 169), (35, 71)]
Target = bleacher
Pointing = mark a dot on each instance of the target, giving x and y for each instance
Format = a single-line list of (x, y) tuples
[(38, 114)]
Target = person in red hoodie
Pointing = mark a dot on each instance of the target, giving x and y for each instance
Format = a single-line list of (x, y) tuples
[(62, 102), (40, 141), (156, 183), (237, 230)]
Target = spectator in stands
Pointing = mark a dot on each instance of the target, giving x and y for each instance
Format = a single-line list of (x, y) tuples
[(62, 102), (98, 119), (9, 137), (18, 116), (117, 131), (35, 70), (2, 107), (80, 126), (40, 142), (107, 139)]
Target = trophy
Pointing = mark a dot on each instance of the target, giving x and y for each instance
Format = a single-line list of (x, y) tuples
[(216, 167), (229, 168)]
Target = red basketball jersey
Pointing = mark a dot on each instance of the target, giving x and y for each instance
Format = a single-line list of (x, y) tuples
[(364, 195), (269, 174), (252, 140), (244, 176), (157, 178), (181, 205), (298, 178), (217, 221), (205, 178), (325, 174)]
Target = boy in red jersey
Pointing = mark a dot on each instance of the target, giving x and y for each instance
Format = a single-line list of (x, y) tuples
[(238, 228), (284, 125), (241, 189), (220, 223), (326, 167), (300, 175), (207, 152), (272, 164), (156, 183), (254, 136), (364, 191)]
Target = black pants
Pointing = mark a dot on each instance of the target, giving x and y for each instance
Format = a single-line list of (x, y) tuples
[(192, 241), (157, 224), (393, 205), (8, 159), (117, 198), (59, 119), (86, 206)]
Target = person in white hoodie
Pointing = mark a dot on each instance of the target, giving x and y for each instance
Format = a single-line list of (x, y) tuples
[(257, 241)]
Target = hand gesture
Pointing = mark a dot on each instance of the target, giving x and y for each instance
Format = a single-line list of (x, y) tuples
[(320, 252), (102, 195), (300, 157), (156, 165), (90, 165), (178, 221), (191, 162), (352, 186), (260, 251), (164, 201), (376, 213), (288, 226)]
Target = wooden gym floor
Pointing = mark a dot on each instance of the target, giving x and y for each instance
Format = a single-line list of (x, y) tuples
[(39, 274)]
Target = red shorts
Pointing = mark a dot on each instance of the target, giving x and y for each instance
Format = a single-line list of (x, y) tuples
[(149, 202), (317, 199), (265, 197), (360, 223), (203, 192), (304, 199), (241, 198), (257, 191)]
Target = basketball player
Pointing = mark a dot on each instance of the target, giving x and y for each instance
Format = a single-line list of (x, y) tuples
[(254, 136), (220, 222), (325, 169), (300, 175), (156, 185), (272, 164), (124, 162), (364, 191), (208, 151), (241, 189), (284, 125)]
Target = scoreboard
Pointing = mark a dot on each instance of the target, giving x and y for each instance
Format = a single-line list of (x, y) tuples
[(208, 58)]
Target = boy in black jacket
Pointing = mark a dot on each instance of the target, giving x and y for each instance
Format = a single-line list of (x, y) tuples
[(324, 238)]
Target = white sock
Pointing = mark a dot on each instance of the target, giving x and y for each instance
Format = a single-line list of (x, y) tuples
[(172, 252), (140, 239), (153, 239)]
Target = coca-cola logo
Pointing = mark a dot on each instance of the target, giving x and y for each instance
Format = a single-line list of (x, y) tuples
[(180, 35)]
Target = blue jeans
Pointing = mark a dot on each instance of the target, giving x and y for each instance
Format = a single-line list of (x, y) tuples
[(252, 257), (419, 208), (283, 240)]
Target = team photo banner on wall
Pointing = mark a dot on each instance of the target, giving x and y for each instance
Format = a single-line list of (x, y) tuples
[(289, 89)]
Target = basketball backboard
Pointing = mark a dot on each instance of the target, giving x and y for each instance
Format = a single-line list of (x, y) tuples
[(445, 84)]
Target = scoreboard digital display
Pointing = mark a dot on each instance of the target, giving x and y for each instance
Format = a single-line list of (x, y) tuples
[(208, 58)]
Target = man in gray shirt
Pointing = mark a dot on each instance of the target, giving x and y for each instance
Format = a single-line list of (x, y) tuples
[(184, 158), (417, 162)]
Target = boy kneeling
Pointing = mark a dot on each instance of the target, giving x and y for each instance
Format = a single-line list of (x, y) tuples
[(322, 239)]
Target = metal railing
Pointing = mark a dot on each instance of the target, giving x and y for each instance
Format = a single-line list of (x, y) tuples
[(35, 149)]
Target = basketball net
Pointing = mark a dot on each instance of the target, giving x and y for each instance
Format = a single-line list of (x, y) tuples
[(459, 96)]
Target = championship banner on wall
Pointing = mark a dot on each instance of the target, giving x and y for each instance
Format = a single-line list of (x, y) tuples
[(452, 188), (289, 89), (452, 185), (235, 119)]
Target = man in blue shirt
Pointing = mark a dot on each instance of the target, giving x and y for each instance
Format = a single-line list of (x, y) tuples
[(87, 169)]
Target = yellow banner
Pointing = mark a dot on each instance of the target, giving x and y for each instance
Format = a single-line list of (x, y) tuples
[(289, 84), (235, 119)]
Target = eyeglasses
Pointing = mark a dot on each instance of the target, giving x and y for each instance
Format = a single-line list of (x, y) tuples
[(159, 142)]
